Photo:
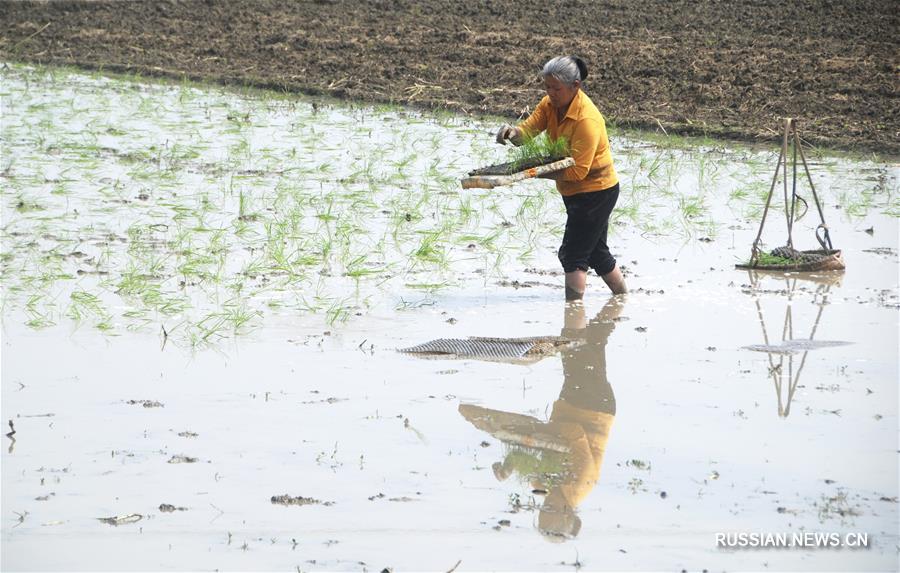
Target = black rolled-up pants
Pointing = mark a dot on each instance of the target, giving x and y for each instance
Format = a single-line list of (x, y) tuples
[(587, 224)]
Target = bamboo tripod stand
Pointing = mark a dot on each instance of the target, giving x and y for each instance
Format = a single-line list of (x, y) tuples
[(791, 140)]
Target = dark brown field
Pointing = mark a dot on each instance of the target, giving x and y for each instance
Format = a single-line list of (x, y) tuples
[(721, 68)]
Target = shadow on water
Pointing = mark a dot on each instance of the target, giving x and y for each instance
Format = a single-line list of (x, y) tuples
[(783, 369), (563, 455)]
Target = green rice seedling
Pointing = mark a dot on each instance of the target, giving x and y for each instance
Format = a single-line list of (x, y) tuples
[(691, 207), (665, 181), (429, 287), (652, 228), (134, 280), (751, 211), (185, 92), (165, 304), (326, 214), (403, 163), (649, 168), (244, 212), (24, 205), (137, 319), (488, 241), (892, 210), (311, 305), (50, 270), (629, 211), (767, 259), (238, 315), (38, 318), (338, 311), (709, 228), (531, 208), (430, 249), (211, 327), (202, 264), (177, 157), (739, 194), (526, 254), (537, 150), (239, 151), (84, 304)]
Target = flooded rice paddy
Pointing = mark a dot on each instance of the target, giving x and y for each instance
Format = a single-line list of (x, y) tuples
[(204, 291)]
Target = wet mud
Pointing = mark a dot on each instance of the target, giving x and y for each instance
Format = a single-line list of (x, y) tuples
[(701, 68)]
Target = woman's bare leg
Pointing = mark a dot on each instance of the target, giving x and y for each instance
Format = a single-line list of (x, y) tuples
[(575, 284), (615, 281)]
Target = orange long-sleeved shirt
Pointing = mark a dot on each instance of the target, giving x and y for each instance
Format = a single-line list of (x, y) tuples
[(585, 129)]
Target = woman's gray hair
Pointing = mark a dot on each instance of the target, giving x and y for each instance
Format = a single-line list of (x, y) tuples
[(566, 69)]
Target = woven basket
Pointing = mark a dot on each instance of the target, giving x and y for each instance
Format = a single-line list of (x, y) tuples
[(823, 260)]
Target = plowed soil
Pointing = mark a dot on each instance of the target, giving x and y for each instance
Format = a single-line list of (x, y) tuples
[(714, 67)]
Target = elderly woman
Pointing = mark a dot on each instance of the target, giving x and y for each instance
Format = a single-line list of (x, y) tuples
[(590, 188)]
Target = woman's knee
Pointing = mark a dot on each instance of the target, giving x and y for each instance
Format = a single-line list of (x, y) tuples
[(603, 263)]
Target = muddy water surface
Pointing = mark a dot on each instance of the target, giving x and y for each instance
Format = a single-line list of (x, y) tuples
[(204, 293)]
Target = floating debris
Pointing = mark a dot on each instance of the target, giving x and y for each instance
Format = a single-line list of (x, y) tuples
[(182, 459), (146, 403), (638, 464), (883, 251), (118, 520), (287, 499), (169, 508), (329, 400), (188, 434)]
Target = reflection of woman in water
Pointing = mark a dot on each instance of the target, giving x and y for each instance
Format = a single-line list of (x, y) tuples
[(564, 454)]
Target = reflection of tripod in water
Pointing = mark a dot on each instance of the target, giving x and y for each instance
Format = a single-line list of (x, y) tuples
[(781, 357)]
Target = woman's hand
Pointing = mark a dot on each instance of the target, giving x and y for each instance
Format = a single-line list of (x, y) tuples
[(509, 133)]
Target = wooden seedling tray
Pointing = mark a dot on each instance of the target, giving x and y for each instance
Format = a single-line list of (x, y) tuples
[(491, 181)]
